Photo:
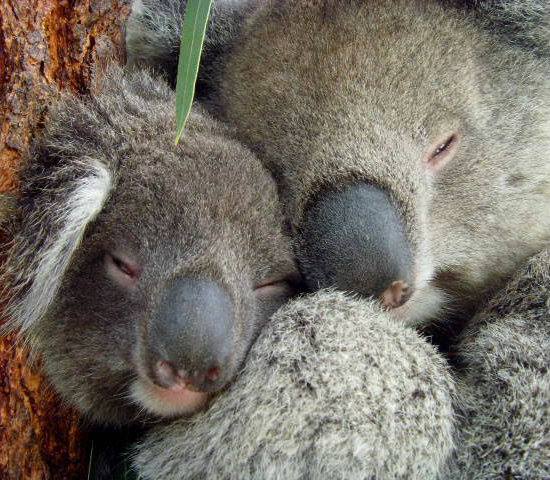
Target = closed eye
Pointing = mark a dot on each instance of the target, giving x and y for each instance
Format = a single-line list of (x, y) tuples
[(289, 284), (122, 269), (441, 152)]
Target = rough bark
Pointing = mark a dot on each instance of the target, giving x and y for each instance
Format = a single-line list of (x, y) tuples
[(45, 45)]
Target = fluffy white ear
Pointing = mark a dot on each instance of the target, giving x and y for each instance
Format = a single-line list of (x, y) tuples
[(53, 223)]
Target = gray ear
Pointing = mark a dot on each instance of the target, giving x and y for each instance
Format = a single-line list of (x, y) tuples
[(64, 187), (522, 23)]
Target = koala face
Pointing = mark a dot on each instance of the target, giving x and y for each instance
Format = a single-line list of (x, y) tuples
[(143, 271), (411, 149)]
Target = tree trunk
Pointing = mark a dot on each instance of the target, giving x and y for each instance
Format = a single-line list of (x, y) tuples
[(44, 45)]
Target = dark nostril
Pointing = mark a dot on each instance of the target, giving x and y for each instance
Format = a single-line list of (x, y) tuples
[(213, 374), (396, 294)]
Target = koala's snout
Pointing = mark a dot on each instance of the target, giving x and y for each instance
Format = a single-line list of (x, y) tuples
[(355, 239), (191, 336)]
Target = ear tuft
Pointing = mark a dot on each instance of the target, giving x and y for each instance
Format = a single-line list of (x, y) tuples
[(49, 233)]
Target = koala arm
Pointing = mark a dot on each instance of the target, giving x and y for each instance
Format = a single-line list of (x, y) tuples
[(331, 389), (153, 33), (505, 384)]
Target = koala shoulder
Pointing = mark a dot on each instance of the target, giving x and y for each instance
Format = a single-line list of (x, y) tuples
[(332, 389)]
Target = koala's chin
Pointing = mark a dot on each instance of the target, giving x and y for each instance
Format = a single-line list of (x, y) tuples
[(179, 401)]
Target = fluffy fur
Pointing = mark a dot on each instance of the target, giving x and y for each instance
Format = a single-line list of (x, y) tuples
[(523, 23), (320, 90), (331, 389), (105, 180), (76, 205), (153, 34), (505, 382)]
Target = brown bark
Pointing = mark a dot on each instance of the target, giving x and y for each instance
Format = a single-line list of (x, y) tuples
[(44, 45)]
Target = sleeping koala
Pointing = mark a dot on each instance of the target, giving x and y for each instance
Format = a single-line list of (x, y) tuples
[(410, 139), (139, 270), (333, 389)]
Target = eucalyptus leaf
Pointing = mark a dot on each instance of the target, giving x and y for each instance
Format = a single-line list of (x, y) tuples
[(196, 17)]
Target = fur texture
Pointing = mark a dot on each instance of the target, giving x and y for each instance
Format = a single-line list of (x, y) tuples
[(321, 92), (505, 382), (153, 34), (523, 23), (331, 389), (106, 182)]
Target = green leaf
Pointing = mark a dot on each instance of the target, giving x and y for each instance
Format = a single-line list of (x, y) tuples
[(192, 39)]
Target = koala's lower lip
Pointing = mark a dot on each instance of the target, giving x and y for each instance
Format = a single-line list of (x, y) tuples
[(168, 402), (178, 394)]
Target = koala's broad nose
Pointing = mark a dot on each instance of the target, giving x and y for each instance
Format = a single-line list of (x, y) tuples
[(191, 336), (355, 239)]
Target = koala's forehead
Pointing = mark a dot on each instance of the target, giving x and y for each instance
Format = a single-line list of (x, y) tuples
[(400, 59), (190, 192)]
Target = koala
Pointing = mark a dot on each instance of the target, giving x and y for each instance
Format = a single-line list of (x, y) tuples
[(331, 389), (410, 140), (139, 270)]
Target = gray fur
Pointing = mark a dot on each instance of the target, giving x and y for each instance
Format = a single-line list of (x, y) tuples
[(153, 33), (105, 178), (333, 389), (330, 93), (505, 382), (320, 90), (523, 23)]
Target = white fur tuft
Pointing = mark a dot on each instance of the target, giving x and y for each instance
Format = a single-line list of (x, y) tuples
[(82, 206), (137, 7)]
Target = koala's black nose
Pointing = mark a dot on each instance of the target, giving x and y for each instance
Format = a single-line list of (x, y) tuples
[(355, 239), (191, 336)]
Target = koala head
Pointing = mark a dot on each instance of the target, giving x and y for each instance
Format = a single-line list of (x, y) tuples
[(410, 147), (142, 271)]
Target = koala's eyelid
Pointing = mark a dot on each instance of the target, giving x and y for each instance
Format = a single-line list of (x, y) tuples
[(124, 267), (291, 282), (441, 151)]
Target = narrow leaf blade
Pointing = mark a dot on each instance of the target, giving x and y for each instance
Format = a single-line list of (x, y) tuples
[(192, 39)]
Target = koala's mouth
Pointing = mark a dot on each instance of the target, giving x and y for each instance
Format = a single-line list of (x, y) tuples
[(167, 402)]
